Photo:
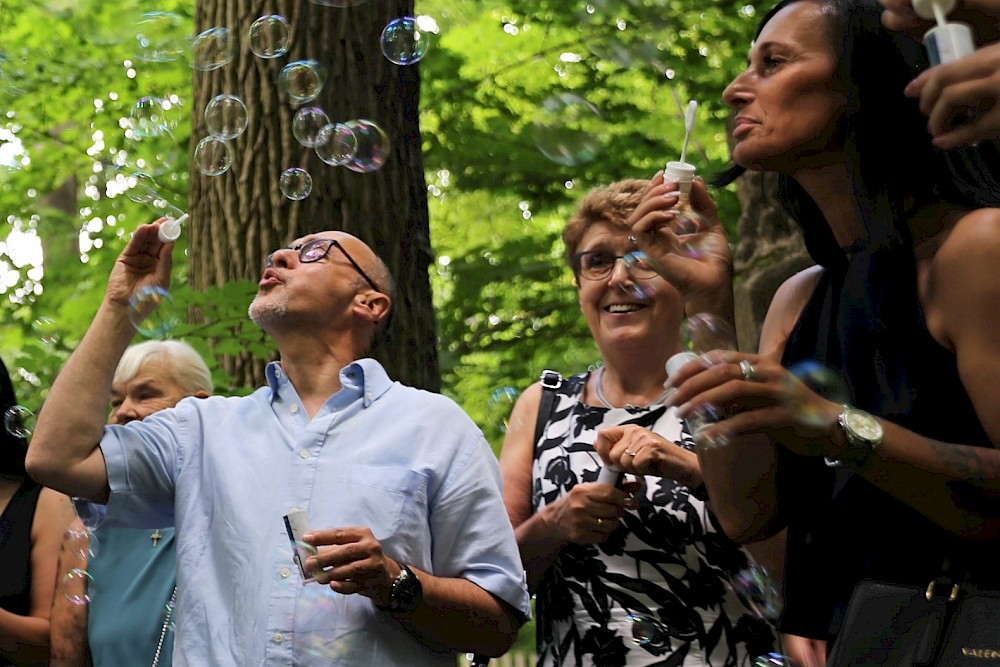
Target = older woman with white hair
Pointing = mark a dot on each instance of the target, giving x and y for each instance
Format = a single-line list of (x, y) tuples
[(132, 571)]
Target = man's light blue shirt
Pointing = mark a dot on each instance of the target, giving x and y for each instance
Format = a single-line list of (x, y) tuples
[(406, 463)]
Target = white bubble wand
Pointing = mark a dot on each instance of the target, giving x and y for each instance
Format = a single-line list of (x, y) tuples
[(689, 118), (170, 229)]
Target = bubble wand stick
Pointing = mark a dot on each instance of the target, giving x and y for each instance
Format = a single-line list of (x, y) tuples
[(689, 118), (170, 229)]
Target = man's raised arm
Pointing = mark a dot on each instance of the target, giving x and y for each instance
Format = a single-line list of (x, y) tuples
[(64, 452)]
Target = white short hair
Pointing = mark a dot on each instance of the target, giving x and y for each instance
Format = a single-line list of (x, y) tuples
[(189, 370)]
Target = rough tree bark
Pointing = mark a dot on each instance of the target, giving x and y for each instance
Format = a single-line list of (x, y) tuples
[(239, 217)]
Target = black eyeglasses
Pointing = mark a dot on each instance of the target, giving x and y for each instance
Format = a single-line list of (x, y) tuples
[(598, 264), (317, 249)]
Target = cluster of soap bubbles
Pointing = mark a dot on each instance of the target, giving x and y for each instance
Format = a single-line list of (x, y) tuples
[(359, 145), (81, 522)]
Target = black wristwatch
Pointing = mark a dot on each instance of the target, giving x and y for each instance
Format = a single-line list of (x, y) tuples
[(864, 434), (406, 592)]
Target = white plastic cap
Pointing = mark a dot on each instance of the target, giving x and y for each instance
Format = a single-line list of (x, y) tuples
[(675, 362), (925, 8), (948, 42), (681, 173), (170, 229)]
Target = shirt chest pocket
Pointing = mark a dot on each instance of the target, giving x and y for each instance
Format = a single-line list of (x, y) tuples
[(389, 500)]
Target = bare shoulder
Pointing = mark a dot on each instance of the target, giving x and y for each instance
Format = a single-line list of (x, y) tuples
[(786, 307), (963, 280)]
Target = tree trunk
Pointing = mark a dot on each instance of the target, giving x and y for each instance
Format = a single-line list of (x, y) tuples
[(241, 216), (770, 250)]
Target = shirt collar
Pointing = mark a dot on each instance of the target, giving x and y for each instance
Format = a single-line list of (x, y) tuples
[(364, 377)]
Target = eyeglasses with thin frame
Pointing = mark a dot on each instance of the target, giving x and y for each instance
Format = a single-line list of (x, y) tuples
[(598, 264), (318, 249)]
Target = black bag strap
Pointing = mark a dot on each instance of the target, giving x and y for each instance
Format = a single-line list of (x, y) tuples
[(551, 380)]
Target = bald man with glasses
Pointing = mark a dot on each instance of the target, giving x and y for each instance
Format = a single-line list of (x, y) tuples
[(411, 557)]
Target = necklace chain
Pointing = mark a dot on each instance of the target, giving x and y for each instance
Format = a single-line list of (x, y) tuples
[(606, 403)]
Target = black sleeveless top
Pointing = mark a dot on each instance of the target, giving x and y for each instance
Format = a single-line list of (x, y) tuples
[(853, 530), (15, 549)]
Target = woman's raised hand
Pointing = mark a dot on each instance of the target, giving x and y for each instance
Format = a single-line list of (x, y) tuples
[(699, 264)]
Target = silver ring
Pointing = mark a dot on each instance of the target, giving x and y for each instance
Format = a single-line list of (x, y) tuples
[(749, 371), (634, 240)]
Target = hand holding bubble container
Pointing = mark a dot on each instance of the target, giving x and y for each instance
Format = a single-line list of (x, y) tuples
[(170, 229)]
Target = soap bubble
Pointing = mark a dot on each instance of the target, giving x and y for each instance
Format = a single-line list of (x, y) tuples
[(78, 586), (269, 36), (141, 188), (647, 631), (336, 144), (212, 49), (152, 117), (565, 130), (307, 123), (161, 36), (302, 80), (213, 156), (19, 421), (152, 312), (641, 272), (47, 331), (754, 588), (314, 606), (773, 660), (83, 544), (403, 42), (703, 332), (821, 379), (296, 183), (651, 632), (372, 146), (226, 116), (90, 513), (499, 406)]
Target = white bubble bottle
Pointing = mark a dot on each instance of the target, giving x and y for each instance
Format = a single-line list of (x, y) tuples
[(946, 41)]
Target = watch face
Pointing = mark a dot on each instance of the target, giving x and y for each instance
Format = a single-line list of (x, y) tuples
[(864, 426)]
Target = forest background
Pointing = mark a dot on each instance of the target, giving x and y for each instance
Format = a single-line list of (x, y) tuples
[(514, 112)]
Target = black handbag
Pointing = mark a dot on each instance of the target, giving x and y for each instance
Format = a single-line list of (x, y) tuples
[(944, 625)]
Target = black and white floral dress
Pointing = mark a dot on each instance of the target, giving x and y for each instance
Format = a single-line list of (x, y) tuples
[(668, 561)]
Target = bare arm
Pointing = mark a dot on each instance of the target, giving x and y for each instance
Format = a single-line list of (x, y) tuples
[(956, 485), (587, 515), (25, 639), (64, 451), (69, 621), (742, 478)]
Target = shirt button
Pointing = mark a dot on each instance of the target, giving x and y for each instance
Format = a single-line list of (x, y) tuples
[(294, 408), (370, 396), (304, 454), (285, 572), (278, 638)]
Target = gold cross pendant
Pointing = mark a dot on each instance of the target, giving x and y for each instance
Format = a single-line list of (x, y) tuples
[(156, 536)]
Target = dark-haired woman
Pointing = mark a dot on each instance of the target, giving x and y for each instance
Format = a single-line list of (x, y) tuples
[(902, 304), (31, 530)]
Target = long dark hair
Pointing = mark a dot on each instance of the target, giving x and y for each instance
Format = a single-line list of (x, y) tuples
[(888, 149), (14, 448)]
